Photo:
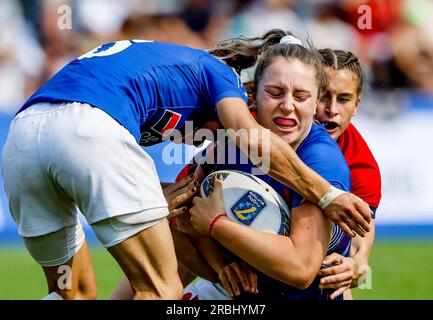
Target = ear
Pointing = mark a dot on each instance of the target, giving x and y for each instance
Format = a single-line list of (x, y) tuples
[(358, 102)]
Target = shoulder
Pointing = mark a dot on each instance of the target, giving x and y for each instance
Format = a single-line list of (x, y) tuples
[(355, 148), (219, 80), (364, 170), (321, 153)]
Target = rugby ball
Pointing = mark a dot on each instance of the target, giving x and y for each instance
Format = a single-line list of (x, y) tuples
[(250, 201)]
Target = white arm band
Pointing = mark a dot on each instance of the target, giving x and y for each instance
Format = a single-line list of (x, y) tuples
[(329, 197)]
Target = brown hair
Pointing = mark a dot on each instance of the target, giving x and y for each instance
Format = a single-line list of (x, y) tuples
[(241, 53), (339, 60)]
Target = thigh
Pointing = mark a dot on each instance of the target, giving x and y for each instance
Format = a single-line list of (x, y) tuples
[(37, 205), (149, 262), (92, 154)]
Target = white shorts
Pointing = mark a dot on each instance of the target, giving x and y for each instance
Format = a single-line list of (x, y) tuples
[(58, 247), (201, 289), (69, 157)]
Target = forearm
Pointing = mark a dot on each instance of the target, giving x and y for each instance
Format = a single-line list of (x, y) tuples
[(271, 254), (286, 167), (211, 251), (360, 251), (361, 246), (190, 257)]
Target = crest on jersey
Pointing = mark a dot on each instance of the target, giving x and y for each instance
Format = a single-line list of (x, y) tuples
[(248, 207), (168, 121)]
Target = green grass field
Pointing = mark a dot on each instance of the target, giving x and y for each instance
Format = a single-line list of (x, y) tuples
[(399, 271)]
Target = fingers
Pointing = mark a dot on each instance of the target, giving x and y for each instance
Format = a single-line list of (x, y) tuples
[(346, 228), (332, 281), (236, 272), (252, 278), (183, 195), (218, 185), (241, 275), (224, 281), (180, 184), (337, 293), (333, 258), (365, 215), (177, 212), (196, 200), (233, 281), (335, 270)]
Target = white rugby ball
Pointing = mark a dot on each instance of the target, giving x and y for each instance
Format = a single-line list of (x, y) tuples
[(250, 201)]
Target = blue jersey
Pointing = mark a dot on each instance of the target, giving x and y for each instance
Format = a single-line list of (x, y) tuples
[(322, 154), (149, 87)]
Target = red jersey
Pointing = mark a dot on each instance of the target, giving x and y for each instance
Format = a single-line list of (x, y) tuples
[(364, 171)]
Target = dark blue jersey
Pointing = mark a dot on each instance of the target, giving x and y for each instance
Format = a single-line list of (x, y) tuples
[(322, 154), (149, 87)]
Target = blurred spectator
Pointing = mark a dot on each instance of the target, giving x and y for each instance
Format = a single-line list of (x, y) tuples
[(397, 50), (207, 18), (259, 16), (21, 57), (327, 30), (161, 28), (413, 43), (60, 45)]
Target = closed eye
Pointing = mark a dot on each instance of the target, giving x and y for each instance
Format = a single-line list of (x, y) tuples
[(275, 93), (301, 98)]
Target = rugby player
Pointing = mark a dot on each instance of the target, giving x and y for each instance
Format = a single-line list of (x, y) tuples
[(335, 110)]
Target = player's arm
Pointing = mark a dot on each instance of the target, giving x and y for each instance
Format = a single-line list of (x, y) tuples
[(360, 251), (229, 270), (294, 260), (280, 160), (344, 273)]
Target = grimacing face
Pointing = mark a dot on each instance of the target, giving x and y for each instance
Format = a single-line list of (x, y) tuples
[(340, 103), (286, 99)]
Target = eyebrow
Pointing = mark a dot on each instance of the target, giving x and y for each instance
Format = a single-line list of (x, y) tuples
[(346, 94), (270, 86)]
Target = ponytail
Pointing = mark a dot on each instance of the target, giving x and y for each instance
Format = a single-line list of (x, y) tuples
[(242, 52)]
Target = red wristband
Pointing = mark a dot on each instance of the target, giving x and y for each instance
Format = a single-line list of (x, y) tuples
[(223, 214)]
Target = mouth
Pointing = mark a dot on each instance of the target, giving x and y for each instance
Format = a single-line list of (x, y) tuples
[(331, 126), (285, 123)]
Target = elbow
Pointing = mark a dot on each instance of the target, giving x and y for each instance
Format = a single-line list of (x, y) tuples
[(302, 278)]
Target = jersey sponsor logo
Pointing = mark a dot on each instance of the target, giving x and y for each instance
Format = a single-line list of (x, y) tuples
[(165, 125), (148, 138), (248, 207)]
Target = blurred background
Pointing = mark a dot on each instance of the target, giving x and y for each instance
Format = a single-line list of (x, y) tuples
[(393, 38)]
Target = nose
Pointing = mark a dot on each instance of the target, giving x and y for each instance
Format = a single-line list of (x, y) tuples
[(287, 104), (332, 107)]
